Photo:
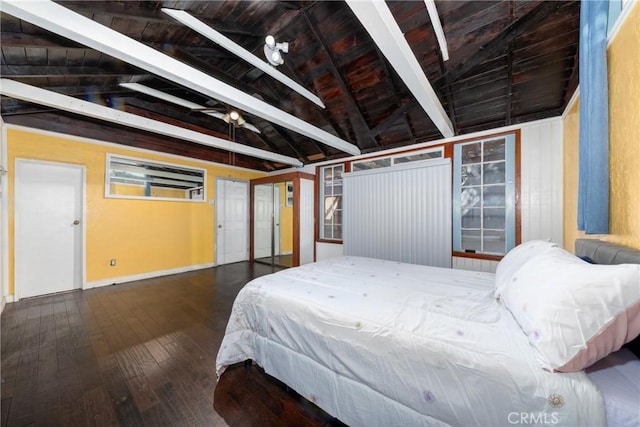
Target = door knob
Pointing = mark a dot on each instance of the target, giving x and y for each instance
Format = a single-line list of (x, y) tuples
[(76, 222), (219, 225)]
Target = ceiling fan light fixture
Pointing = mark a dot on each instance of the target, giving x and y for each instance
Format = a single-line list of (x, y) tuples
[(234, 115)]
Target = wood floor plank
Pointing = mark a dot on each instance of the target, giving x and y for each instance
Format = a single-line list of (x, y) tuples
[(99, 411), (140, 353)]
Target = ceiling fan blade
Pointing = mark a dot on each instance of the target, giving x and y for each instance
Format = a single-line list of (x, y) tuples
[(251, 127), (211, 111)]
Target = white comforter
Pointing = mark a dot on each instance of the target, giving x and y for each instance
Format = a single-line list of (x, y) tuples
[(384, 343)]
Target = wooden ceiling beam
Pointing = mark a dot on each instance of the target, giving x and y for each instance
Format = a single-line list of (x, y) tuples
[(383, 29), (269, 84), (364, 129), (289, 141), (389, 73), (132, 12), (27, 40), (498, 43), (390, 120), (45, 71)]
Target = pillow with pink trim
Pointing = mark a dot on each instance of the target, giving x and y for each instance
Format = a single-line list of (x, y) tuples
[(516, 258), (573, 312)]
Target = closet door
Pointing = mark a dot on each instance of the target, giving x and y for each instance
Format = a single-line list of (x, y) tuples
[(400, 213)]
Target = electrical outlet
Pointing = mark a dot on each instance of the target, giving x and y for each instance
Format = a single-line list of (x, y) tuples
[(112, 263)]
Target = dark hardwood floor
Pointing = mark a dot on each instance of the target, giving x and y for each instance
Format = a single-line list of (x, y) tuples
[(141, 353)]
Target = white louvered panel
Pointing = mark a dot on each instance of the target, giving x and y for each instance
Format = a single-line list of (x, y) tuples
[(473, 264), (306, 221), (400, 214)]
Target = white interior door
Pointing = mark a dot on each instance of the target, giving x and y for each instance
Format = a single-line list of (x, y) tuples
[(232, 221), (48, 227), (262, 220)]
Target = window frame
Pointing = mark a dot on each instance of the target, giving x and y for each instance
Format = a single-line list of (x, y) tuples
[(320, 200), (200, 191), (512, 193)]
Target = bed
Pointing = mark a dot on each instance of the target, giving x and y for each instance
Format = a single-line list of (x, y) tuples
[(376, 342)]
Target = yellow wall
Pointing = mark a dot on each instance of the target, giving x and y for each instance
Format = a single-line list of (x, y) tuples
[(142, 235), (286, 221), (624, 143)]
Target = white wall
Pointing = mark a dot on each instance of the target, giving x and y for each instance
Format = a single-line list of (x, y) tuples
[(540, 186)]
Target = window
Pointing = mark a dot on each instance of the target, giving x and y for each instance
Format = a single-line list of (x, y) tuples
[(128, 177), (331, 202), (484, 196), (385, 162)]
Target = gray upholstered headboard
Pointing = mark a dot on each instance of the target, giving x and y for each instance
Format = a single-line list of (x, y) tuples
[(606, 253), (600, 252)]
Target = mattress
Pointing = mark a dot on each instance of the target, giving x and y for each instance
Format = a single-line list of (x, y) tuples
[(618, 378), (384, 343)]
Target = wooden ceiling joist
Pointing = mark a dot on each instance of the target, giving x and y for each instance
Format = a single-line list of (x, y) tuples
[(63, 21)]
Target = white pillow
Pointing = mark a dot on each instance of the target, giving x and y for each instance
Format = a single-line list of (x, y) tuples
[(573, 312), (516, 258)]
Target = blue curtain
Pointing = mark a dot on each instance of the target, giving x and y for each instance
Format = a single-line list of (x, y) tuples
[(593, 184)]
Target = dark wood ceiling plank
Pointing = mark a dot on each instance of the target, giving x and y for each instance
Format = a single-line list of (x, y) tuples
[(39, 71), (134, 12), (88, 128), (282, 133), (542, 11), (362, 125)]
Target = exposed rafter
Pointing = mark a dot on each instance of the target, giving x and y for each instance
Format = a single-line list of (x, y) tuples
[(182, 102), (217, 37), (377, 19), (500, 42), (67, 23), (36, 95), (437, 28), (348, 96)]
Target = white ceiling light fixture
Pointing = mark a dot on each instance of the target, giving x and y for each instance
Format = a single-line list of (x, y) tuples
[(377, 19), (195, 24), (183, 103), (272, 50), (62, 21), (437, 28), (52, 99)]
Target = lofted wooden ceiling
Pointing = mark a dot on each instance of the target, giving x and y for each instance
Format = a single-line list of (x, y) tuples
[(509, 62)]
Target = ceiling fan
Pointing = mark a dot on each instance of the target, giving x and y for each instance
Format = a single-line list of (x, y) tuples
[(231, 116)]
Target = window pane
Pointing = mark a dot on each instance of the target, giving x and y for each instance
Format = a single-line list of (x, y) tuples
[(337, 232), (328, 231), (494, 242), (328, 175), (471, 175), (371, 164), (493, 173), (494, 150), (471, 218), (471, 153), (337, 172), (337, 217), (494, 218), (436, 154), (471, 240), (470, 197), (493, 195)]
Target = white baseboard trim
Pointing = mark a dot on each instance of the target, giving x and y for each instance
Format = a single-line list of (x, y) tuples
[(5, 300), (142, 276)]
